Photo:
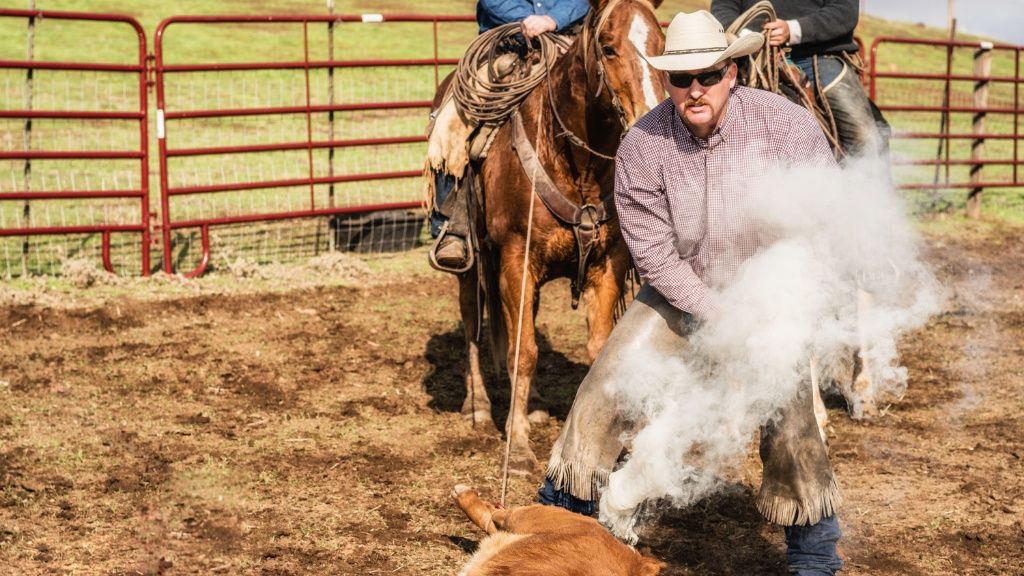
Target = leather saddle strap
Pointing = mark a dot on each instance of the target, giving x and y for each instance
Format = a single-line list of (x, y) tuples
[(556, 202), (585, 230), (585, 220)]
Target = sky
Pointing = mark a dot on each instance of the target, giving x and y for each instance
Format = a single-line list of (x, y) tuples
[(1000, 19)]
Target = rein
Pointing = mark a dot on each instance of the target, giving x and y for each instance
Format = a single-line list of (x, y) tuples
[(565, 131)]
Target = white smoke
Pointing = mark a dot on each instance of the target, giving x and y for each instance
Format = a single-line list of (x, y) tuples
[(839, 234)]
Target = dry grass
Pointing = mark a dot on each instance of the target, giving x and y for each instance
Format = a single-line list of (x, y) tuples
[(301, 422)]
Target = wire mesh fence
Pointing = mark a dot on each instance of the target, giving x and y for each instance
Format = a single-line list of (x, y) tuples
[(283, 137), (73, 181), (330, 125), (956, 111)]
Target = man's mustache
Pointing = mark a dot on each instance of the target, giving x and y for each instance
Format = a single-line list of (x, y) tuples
[(698, 102)]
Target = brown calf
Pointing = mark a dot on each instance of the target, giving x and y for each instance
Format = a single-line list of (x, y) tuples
[(546, 541)]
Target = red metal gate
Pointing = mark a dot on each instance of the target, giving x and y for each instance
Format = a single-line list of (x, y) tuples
[(235, 150), (73, 165), (956, 110), (252, 128)]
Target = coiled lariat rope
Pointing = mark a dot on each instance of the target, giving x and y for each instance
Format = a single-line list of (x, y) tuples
[(490, 98), (763, 73), (768, 63)]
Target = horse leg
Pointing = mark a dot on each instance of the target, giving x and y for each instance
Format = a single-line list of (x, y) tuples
[(521, 458), (536, 406), (820, 413), (477, 406), (862, 392), (602, 294)]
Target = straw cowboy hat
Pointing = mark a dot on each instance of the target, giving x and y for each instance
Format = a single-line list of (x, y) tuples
[(696, 40)]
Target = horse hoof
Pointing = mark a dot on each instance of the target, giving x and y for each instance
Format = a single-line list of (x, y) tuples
[(861, 409), (539, 416), (481, 420), (522, 462)]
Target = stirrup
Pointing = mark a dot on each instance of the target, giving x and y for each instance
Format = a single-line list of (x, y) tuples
[(432, 254)]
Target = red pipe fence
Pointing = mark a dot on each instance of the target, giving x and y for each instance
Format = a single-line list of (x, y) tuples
[(309, 113), (310, 135), (990, 102), (95, 117)]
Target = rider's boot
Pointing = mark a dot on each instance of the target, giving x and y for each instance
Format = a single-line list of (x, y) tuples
[(451, 251)]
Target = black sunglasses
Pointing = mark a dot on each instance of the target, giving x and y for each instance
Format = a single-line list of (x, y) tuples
[(706, 79)]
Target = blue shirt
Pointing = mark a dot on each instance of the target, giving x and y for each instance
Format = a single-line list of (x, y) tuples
[(494, 13)]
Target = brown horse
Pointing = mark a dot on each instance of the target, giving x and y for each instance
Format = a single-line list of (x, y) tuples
[(574, 121)]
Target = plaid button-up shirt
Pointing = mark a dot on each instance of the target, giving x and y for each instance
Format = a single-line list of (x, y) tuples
[(680, 198)]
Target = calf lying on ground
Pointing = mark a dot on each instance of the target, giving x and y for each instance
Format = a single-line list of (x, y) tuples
[(546, 541)]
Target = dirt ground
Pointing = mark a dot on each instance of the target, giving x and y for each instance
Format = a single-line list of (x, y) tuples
[(304, 420)]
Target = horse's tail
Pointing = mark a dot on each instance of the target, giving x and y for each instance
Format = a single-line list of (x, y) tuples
[(490, 263)]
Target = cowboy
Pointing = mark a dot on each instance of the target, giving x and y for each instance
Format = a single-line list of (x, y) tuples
[(536, 17), (820, 35), (679, 173)]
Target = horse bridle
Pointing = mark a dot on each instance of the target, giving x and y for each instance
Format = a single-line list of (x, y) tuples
[(591, 34)]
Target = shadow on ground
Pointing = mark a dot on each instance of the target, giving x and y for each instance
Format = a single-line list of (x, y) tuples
[(721, 535), (556, 379)]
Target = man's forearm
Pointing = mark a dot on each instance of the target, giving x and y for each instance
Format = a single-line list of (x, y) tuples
[(647, 235), (680, 286)]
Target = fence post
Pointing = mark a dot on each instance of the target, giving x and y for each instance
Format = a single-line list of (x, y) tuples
[(26, 211), (332, 223), (982, 69)]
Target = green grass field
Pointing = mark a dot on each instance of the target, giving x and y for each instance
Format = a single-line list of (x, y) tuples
[(191, 44)]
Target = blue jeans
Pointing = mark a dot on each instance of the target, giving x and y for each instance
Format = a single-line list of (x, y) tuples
[(443, 186), (861, 133), (811, 550), (551, 496)]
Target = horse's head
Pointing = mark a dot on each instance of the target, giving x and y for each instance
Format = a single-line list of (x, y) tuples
[(623, 33)]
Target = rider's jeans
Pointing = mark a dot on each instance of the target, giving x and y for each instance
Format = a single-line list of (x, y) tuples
[(443, 185), (811, 550), (859, 132)]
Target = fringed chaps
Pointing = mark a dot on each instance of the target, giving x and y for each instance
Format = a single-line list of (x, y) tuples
[(798, 487), (453, 140)]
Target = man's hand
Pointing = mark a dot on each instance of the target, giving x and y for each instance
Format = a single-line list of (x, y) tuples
[(535, 25), (777, 32)]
